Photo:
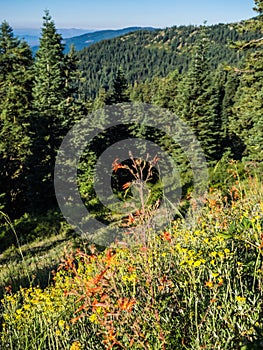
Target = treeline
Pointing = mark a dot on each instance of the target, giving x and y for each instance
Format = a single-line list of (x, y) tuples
[(191, 71)]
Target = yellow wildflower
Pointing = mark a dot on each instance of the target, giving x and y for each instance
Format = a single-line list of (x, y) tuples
[(197, 263), (240, 299), (93, 318), (220, 281), (61, 323), (130, 278), (220, 254), (27, 307), (58, 333), (213, 254), (209, 284), (75, 346)]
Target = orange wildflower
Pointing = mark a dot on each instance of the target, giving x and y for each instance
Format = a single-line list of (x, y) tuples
[(127, 185), (167, 236), (109, 256), (116, 165), (209, 284), (131, 268), (126, 304), (8, 289), (131, 219)]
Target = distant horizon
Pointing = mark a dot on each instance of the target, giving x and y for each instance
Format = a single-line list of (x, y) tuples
[(129, 26), (102, 14), (80, 28), (33, 34)]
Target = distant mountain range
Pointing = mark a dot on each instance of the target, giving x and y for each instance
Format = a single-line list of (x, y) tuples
[(80, 38), (85, 40), (32, 35)]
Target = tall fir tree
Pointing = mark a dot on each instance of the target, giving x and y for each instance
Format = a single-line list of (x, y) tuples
[(259, 6), (48, 119), (197, 102), (231, 142), (74, 107), (247, 119), (100, 99), (15, 102), (119, 92), (166, 91)]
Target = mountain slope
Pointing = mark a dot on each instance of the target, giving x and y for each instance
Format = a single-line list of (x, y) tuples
[(145, 54), (87, 39)]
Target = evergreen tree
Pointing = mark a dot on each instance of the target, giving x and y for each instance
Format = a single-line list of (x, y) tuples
[(141, 92), (48, 119), (15, 102), (167, 90), (119, 93), (231, 141), (247, 118), (100, 99), (198, 102), (259, 6), (74, 108)]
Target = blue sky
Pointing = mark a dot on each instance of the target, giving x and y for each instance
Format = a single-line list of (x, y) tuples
[(98, 14)]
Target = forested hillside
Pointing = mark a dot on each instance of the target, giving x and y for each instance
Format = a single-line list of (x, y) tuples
[(85, 40), (146, 54)]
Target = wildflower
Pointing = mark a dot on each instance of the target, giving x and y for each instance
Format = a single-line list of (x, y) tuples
[(240, 299), (8, 289), (116, 165), (27, 307), (75, 346), (126, 304), (213, 254), (199, 262), (93, 318), (190, 262), (220, 281), (61, 323), (110, 337), (127, 185), (131, 268), (167, 236), (209, 284), (110, 255), (58, 333), (130, 278), (220, 254)]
